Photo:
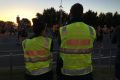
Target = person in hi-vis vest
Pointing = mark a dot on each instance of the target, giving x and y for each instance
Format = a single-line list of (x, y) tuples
[(37, 54), (77, 40)]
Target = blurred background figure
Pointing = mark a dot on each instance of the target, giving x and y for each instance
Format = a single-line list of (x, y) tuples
[(56, 46), (99, 35), (23, 28), (12, 30), (116, 40)]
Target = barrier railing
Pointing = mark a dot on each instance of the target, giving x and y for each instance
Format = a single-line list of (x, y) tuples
[(98, 56)]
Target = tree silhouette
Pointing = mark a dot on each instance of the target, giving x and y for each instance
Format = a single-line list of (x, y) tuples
[(25, 22), (101, 19), (90, 18), (109, 19), (49, 15), (40, 17), (116, 19), (2, 26)]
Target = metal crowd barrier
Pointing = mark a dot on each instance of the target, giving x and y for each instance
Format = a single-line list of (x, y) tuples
[(10, 54), (98, 56)]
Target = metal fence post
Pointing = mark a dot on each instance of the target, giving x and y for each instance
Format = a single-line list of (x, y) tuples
[(110, 61), (11, 66)]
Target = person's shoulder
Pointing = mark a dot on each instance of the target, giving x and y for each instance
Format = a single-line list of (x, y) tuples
[(63, 28), (26, 40), (92, 27), (82, 23), (48, 38), (70, 25), (89, 26), (92, 30)]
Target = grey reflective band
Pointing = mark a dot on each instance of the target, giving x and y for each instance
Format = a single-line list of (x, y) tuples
[(64, 29), (39, 71), (23, 43), (76, 51), (37, 59), (46, 42), (77, 72), (91, 30)]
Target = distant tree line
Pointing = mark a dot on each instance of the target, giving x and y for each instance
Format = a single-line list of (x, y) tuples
[(9, 25), (92, 18), (50, 16), (6, 26)]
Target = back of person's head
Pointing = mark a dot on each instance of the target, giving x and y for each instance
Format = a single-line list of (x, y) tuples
[(38, 27), (76, 10)]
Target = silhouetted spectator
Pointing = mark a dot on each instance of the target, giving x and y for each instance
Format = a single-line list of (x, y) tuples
[(111, 31), (11, 30), (99, 34), (116, 40), (56, 45), (22, 31)]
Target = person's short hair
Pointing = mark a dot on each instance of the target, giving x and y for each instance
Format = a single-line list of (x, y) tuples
[(38, 26), (76, 10)]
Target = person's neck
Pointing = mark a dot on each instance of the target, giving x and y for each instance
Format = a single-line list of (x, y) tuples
[(75, 19)]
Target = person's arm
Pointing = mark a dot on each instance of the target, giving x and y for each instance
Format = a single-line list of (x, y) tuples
[(114, 36), (51, 47), (59, 39)]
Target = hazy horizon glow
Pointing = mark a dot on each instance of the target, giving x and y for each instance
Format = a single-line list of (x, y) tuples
[(9, 9)]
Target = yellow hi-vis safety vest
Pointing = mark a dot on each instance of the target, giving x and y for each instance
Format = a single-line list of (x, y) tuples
[(37, 55), (76, 48)]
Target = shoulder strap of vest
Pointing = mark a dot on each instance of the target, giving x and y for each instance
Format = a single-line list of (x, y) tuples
[(64, 29), (23, 44), (46, 42), (91, 30)]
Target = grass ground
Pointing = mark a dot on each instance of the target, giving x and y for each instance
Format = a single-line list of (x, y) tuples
[(100, 73)]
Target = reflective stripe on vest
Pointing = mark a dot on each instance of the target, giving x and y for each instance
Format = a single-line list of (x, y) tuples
[(76, 51), (36, 53), (83, 71), (39, 71), (78, 42), (37, 59)]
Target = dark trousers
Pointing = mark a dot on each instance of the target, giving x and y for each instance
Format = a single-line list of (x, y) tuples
[(46, 76), (59, 66), (82, 77)]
